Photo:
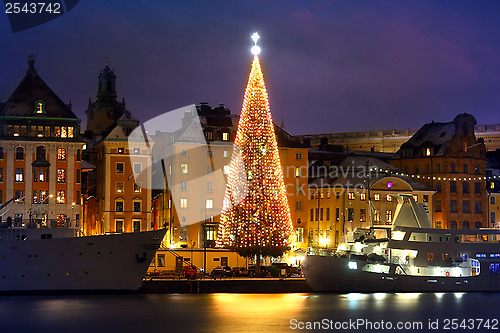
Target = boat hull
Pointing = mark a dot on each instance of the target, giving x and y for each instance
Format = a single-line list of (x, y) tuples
[(332, 274), (95, 263)]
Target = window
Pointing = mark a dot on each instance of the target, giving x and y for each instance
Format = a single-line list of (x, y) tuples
[(61, 154), (466, 170), (376, 197), (425, 198), (208, 135), (299, 233), (184, 186), (121, 150), (137, 151), (210, 187), (465, 187), (438, 206), (350, 214), (453, 206), (477, 188), (477, 207), (1, 175), (438, 187), (388, 216), (40, 106), (184, 152), (78, 175), (184, 203), (465, 225), (453, 186), (376, 216), (78, 155), (70, 132), (321, 214), (41, 175), (297, 172), (64, 132), (226, 169), (78, 198), (311, 214), (19, 153), (225, 136), (453, 224), (161, 260), (415, 197), (137, 206), (136, 225), (328, 214), (226, 153), (362, 197), (19, 196), (427, 152), (119, 206), (453, 169), (35, 196), (137, 188), (19, 174), (492, 199), (337, 214), (439, 224), (61, 175), (1, 153), (61, 197), (137, 168), (492, 216), (438, 167), (477, 170), (209, 204), (298, 156), (388, 197), (298, 205), (362, 215), (184, 168), (465, 206), (35, 174), (118, 226), (119, 187), (350, 195), (120, 167)]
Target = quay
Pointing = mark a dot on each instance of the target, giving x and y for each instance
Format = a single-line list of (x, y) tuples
[(229, 285)]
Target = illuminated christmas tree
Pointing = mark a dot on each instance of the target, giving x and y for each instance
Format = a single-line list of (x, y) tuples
[(255, 218)]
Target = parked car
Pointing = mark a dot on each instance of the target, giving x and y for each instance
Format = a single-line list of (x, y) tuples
[(190, 272), (221, 271), (284, 269), (263, 271), (239, 271)]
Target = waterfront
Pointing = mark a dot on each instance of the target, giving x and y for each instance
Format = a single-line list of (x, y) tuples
[(236, 312)]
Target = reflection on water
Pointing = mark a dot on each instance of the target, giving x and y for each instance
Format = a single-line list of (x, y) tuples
[(230, 312)]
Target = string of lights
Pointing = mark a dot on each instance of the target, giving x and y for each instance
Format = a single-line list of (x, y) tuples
[(420, 176)]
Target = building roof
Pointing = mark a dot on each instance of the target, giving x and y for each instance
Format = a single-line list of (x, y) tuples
[(31, 89)]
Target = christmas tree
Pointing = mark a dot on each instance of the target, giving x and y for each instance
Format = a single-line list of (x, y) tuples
[(255, 218)]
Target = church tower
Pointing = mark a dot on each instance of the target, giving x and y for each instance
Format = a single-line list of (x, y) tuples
[(106, 110)]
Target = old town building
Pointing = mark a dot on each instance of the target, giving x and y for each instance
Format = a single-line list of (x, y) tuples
[(40, 156), (450, 159)]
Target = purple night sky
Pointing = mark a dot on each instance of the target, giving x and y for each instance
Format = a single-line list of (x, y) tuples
[(330, 66)]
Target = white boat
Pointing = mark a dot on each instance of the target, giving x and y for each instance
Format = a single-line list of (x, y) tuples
[(55, 260), (409, 256)]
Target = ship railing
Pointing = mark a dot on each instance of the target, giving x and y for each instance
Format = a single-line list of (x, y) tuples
[(37, 223)]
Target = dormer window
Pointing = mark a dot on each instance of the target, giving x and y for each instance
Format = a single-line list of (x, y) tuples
[(225, 136), (39, 107), (427, 152)]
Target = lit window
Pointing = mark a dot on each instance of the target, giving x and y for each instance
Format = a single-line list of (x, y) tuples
[(119, 187), (350, 195), (388, 216), (226, 153), (119, 167), (19, 174), (184, 203), (298, 156), (61, 154), (64, 132), (209, 204), (40, 107), (70, 132), (362, 196), (137, 168), (137, 151), (427, 152), (226, 169), (415, 197), (61, 197), (61, 175), (376, 216), (184, 168), (388, 197), (225, 136), (121, 150), (41, 175), (137, 188), (297, 172), (376, 197)]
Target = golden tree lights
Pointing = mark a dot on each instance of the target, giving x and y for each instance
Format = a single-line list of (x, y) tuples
[(255, 214)]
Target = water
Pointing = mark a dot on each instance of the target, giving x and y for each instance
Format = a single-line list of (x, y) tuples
[(242, 312)]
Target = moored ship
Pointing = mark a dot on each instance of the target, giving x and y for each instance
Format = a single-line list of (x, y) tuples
[(55, 260), (409, 256)]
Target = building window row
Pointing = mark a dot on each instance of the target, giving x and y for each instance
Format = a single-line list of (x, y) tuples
[(40, 131)]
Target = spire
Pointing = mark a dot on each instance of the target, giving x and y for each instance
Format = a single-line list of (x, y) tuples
[(31, 65), (106, 91)]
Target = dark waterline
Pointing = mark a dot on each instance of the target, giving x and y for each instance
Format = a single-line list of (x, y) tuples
[(237, 312)]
